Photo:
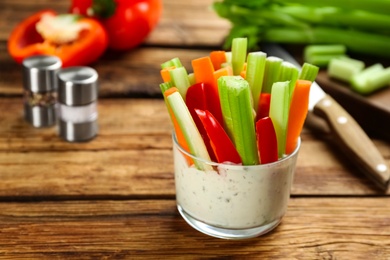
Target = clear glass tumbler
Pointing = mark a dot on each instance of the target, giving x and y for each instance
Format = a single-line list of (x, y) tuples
[(232, 201)]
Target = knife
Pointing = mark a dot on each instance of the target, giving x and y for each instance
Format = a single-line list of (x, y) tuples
[(346, 132)]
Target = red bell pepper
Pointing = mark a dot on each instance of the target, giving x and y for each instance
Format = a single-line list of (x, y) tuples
[(263, 107), (128, 23), (266, 140), (196, 98), (75, 40), (222, 146)]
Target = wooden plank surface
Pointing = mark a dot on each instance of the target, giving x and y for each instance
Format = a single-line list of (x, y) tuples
[(114, 197), (316, 228), (132, 157)]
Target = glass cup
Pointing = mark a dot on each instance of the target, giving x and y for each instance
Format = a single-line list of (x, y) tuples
[(232, 201)]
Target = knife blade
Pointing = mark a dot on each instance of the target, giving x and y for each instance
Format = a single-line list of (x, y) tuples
[(346, 132)]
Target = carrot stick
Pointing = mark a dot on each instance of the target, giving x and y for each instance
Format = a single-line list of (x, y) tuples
[(165, 75), (179, 134), (297, 115), (226, 71), (217, 58)]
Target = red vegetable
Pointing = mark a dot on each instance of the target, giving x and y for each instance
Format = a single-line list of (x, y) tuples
[(128, 23), (222, 145), (75, 40), (266, 140), (263, 107), (204, 72), (196, 98)]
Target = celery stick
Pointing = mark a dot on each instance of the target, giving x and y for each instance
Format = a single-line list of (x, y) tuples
[(239, 49), (271, 73), (172, 62), (289, 72), (371, 79), (164, 86), (237, 113), (228, 55), (191, 134), (344, 68), (309, 72), (180, 80), (191, 78), (279, 108), (255, 74), (321, 55)]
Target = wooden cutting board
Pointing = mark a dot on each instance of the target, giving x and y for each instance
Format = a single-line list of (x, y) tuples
[(372, 112)]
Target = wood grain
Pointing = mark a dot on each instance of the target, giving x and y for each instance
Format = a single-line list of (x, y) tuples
[(316, 228), (132, 157)]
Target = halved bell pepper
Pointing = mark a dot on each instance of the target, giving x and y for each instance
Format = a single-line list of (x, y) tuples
[(74, 39), (222, 146)]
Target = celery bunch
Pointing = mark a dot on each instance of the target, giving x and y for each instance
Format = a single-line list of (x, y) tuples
[(362, 26)]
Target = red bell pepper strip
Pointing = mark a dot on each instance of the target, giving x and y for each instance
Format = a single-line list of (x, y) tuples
[(266, 140), (204, 73), (128, 23), (263, 107), (75, 40), (222, 146), (196, 98)]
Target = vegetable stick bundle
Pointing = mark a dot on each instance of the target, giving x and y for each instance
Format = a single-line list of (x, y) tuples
[(237, 107)]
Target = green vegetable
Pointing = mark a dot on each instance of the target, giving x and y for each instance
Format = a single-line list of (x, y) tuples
[(180, 80), (308, 72), (290, 73), (371, 79), (237, 110), (320, 55), (271, 73), (239, 48), (189, 129), (278, 112), (255, 74), (344, 68), (172, 62), (360, 25)]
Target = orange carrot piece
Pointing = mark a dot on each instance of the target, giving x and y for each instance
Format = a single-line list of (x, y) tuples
[(226, 71), (179, 134), (165, 75), (243, 74), (217, 58), (297, 115)]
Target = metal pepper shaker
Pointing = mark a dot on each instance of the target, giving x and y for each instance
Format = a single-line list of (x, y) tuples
[(77, 98), (40, 89)]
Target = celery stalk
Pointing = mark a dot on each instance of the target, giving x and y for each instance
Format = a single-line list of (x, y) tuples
[(239, 49), (279, 108), (191, 134), (255, 74), (321, 55), (309, 72), (180, 80), (289, 72), (236, 107), (371, 79), (344, 68), (172, 62), (271, 73)]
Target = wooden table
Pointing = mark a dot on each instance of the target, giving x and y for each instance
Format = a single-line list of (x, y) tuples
[(114, 197)]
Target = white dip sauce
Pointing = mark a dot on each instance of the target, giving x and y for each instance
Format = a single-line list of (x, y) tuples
[(235, 197)]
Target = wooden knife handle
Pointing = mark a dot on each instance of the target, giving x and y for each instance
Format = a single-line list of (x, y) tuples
[(351, 139)]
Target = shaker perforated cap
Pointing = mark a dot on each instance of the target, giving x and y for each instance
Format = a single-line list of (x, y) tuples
[(77, 86), (39, 73)]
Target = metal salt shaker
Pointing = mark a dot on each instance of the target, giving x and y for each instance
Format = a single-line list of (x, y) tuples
[(77, 98), (40, 89)]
